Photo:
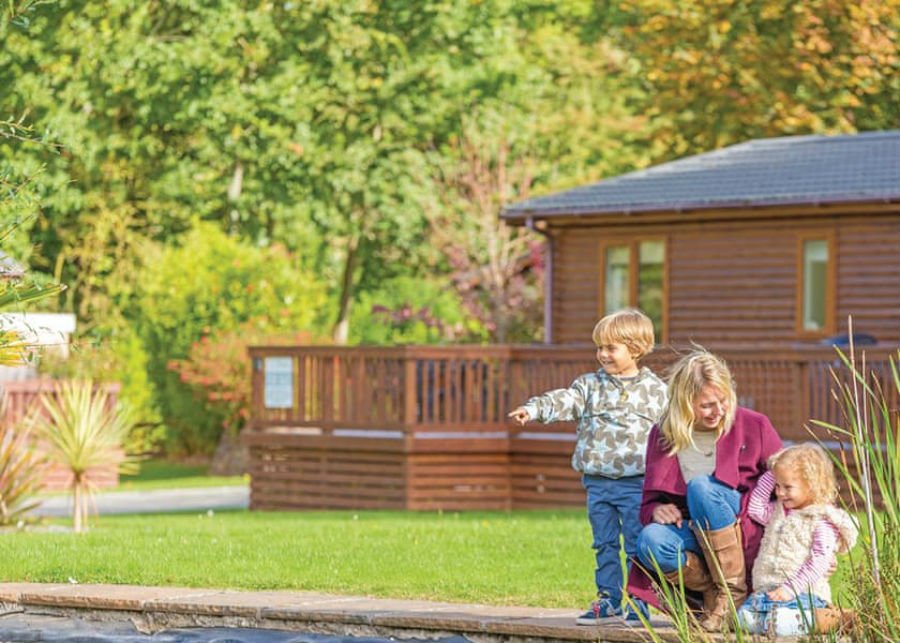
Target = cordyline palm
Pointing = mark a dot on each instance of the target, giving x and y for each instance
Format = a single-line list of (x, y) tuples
[(84, 432), (20, 470)]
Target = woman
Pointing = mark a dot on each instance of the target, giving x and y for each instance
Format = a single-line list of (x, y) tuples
[(703, 460)]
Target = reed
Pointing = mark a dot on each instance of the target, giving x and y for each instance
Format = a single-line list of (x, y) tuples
[(869, 461)]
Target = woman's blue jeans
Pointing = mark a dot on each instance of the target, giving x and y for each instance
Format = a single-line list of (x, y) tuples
[(712, 506)]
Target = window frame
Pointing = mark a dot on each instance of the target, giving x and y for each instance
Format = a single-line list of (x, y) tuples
[(829, 327), (633, 243)]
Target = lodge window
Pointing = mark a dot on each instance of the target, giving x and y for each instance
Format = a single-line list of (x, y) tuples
[(633, 275), (815, 285)]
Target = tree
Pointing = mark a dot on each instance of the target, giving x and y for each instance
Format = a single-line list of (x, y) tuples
[(497, 268), (212, 284), (728, 71), (304, 124), (220, 375), (21, 467), (305, 129), (564, 121), (388, 81)]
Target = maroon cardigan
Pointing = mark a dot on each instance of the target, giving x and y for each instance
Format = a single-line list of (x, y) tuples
[(741, 456)]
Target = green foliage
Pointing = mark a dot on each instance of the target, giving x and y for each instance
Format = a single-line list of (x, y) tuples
[(83, 431), (213, 283), (408, 310), (18, 12), (21, 470), (303, 124), (220, 373)]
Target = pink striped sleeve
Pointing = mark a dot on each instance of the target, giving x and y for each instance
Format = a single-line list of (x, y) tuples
[(759, 507), (821, 554)]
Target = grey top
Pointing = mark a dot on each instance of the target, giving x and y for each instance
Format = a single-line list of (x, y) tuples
[(699, 459), (790, 170)]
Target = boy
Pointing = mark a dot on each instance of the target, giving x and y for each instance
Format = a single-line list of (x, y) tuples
[(615, 408)]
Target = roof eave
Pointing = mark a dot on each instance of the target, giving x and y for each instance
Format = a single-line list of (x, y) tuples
[(521, 216)]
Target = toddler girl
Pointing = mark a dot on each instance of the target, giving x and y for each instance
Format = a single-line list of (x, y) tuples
[(804, 533)]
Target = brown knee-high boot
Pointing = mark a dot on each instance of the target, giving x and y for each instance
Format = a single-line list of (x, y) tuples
[(832, 619), (724, 554), (695, 577)]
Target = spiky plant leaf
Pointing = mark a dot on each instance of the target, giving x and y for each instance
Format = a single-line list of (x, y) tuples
[(21, 469), (84, 431)]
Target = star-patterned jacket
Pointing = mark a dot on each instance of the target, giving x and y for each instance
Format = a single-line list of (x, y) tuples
[(614, 418)]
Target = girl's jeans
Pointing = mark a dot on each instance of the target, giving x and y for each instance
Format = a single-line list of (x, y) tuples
[(761, 615), (712, 506), (613, 506)]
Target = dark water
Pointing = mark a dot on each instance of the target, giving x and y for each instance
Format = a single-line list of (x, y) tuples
[(24, 628)]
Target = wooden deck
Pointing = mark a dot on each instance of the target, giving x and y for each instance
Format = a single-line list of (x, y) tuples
[(425, 428)]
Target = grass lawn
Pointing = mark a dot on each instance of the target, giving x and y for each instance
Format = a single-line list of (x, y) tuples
[(540, 558), (527, 558), (164, 474)]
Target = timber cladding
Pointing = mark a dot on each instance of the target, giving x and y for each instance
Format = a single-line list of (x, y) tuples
[(736, 281)]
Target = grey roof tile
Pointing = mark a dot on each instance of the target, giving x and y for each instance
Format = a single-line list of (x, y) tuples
[(790, 170)]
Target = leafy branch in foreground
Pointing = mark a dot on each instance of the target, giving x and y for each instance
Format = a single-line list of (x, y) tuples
[(16, 13)]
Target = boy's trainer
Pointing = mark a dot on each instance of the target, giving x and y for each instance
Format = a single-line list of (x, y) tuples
[(599, 609)]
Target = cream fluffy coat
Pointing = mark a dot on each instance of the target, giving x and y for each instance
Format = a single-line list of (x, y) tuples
[(788, 541)]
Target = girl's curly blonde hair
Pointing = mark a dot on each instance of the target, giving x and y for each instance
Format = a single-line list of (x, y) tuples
[(814, 466)]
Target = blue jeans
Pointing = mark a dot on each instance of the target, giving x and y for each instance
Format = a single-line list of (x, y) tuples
[(761, 615), (613, 507), (712, 505)]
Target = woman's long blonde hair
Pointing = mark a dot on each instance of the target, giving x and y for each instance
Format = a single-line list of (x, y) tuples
[(686, 380)]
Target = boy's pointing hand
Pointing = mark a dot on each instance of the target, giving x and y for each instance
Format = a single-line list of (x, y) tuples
[(520, 415)]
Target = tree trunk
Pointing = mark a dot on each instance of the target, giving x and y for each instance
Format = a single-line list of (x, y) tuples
[(78, 502), (341, 330), (231, 457)]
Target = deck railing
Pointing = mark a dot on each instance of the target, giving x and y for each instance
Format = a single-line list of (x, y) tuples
[(420, 389), (427, 428)]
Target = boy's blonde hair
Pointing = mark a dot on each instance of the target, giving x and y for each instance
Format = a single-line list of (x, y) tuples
[(814, 466), (687, 378), (630, 327)]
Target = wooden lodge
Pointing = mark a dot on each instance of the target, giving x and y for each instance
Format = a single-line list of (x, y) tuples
[(759, 251)]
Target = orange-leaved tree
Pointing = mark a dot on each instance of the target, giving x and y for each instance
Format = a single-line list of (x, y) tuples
[(726, 71)]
